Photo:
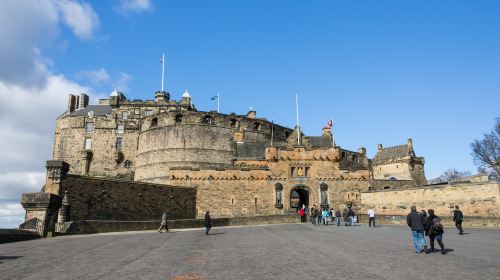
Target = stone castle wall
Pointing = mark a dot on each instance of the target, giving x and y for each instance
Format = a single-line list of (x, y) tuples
[(104, 199), (474, 199)]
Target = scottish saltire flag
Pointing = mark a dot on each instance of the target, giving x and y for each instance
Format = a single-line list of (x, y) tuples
[(215, 97)]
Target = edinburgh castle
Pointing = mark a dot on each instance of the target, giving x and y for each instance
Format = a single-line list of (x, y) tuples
[(132, 160)]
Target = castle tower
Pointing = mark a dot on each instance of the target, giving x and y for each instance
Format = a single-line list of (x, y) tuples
[(399, 163)]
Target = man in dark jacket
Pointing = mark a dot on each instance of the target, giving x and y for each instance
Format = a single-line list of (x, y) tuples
[(416, 221), (208, 222), (458, 217)]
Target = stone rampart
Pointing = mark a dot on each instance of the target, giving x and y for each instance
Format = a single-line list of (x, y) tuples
[(105, 199), (475, 199)]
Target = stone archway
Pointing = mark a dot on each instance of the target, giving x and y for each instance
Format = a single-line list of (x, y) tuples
[(299, 195)]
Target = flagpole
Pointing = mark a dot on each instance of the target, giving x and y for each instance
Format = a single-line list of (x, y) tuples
[(298, 126), (218, 103), (272, 132), (162, 70), (333, 136)]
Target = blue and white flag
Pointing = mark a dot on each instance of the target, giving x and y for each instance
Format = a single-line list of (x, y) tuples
[(215, 97)]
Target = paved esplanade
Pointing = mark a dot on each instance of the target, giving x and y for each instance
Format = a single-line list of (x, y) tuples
[(291, 251)]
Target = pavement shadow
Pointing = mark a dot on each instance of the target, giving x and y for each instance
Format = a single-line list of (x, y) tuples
[(216, 233), (447, 250), (8, 258)]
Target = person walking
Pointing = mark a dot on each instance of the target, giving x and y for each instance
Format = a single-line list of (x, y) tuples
[(338, 216), (371, 217), (458, 217), (208, 222), (320, 216), (302, 214), (416, 222), (163, 224), (346, 217), (434, 229)]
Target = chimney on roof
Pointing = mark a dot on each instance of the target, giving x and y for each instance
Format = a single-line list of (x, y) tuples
[(72, 102), (362, 150), (379, 147), (84, 100), (410, 143)]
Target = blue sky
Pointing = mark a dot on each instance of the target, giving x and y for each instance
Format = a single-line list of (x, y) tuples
[(384, 70)]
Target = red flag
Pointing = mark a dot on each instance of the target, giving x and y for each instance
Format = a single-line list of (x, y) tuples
[(330, 123)]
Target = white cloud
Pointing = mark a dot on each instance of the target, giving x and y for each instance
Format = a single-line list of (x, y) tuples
[(80, 17), (27, 26), (31, 95), (127, 6), (96, 77), (11, 214), (121, 84)]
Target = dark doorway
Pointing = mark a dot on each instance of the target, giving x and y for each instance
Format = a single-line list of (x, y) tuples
[(299, 196)]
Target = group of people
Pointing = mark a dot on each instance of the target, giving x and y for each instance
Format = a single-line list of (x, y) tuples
[(322, 216), (429, 224)]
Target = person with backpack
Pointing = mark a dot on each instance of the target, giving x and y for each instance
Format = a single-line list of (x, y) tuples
[(416, 222), (458, 217), (434, 229)]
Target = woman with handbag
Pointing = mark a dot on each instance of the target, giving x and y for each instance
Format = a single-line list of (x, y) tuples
[(434, 229)]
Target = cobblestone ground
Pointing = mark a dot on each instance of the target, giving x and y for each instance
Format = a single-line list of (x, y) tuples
[(292, 251)]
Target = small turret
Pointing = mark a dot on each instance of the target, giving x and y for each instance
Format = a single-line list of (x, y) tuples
[(162, 96), (252, 114), (362, 150), (379, 147)]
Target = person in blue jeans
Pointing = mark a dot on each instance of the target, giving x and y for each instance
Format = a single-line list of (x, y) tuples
[(416, 222)]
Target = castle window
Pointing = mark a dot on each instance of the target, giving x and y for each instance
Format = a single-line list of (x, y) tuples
[(89, 127), (120, 129), (154, 122), (343, 154), (207, 119), (137, 111), (178, 118), (124, 115), (149, 112), (386, 187), (257, 126), (234, 123), (255, 201), (119, 143), (88, 143)]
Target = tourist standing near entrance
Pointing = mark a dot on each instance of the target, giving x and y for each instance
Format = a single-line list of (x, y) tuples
[(302, 214), (416, 222), (208, 222), (338, 216), (163, 224), (458, 217), (346, 217), (313, 208), (351, 216), (326, 214), (371, 217), (434, 229)]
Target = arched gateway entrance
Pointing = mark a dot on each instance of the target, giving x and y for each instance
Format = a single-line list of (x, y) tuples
[(299, 196)]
